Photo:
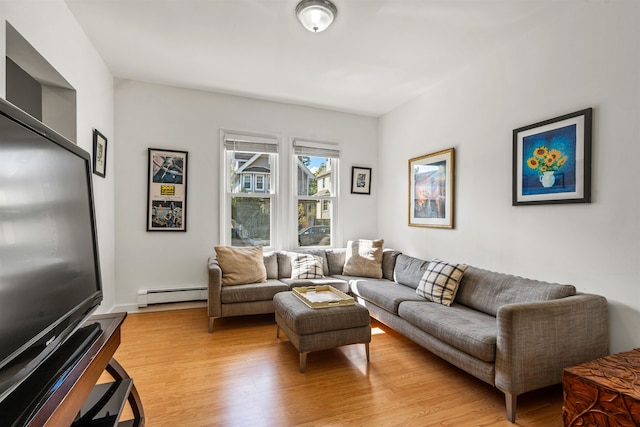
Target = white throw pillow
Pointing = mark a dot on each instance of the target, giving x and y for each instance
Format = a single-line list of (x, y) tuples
[(440, 281), (306, 266)]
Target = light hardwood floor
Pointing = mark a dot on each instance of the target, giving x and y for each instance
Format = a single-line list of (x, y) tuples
[(242, 375)]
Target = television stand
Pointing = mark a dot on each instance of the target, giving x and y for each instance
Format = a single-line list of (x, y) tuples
[(65, 403)]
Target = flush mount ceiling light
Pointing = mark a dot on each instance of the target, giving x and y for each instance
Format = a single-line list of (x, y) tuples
[(316, 15)]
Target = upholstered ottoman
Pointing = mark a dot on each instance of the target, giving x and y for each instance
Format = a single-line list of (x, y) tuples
[(314, 329)]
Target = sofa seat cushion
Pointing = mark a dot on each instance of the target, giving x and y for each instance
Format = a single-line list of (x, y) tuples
[(252, 292), (487, 291), (383, 293), (341, 285), (468, 330)]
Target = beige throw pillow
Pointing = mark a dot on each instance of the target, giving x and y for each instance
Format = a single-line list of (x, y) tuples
[(364, 258), (241, 265)]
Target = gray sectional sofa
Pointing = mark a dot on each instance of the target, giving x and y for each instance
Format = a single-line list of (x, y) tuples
[(514, 333)]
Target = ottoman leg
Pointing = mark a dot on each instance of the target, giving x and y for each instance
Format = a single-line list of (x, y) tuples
[(303, 362), (278, 332), (366, 347)]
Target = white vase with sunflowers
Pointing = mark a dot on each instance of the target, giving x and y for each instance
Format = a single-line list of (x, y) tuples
[(546, 162)]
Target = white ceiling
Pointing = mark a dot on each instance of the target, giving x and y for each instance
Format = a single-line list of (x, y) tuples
[(377, 55)]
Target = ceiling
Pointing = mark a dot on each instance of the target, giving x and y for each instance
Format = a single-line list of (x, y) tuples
[(377, 55)]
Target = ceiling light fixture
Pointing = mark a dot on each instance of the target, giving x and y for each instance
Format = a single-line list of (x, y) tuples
[(316, 15)]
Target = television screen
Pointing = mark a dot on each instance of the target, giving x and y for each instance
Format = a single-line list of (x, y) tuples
[(49, 268)]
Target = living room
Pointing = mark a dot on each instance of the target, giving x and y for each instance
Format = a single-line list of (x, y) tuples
[(578, 55)]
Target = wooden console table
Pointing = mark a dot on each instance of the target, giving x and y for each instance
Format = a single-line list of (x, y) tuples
[(603, 392), (71, 396)]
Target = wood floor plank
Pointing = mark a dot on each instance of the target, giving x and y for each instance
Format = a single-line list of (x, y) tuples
[(242, 375)]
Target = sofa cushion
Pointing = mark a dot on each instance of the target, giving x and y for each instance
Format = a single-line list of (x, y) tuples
[(440, 282), (335, 260), (389, 257), (364, 258), (487, 291), (468, 330), (251, 292), (284, 262), (271, 264), (409, 270), (339, 284), (241, 265), (383, 293), (306, 266)]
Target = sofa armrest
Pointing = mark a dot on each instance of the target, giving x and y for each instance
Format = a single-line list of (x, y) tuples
[(214, 304), (536, 341)]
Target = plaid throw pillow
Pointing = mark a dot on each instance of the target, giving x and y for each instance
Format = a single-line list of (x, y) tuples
[(306, 266), (440, 281)]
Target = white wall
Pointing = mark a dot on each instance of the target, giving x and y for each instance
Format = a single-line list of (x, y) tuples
[(587, 55), (53, 31), (154, 116)]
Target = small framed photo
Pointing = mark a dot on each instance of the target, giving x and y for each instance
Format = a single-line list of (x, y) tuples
[(99, 153), (431, 179), (552, 160), (360, 180), (167, 190)]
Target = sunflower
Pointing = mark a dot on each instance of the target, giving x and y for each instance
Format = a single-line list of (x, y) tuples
[(543, 168), (562, 161), (549, 160), (533, 163), (540, 152), (555, 154)]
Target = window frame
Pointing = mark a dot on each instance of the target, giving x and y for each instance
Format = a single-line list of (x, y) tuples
[(247, 142), (331, 151)]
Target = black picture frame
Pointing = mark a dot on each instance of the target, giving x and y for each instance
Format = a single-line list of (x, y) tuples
[(167, 190), (99, 154), (360, 180), (552, 160)]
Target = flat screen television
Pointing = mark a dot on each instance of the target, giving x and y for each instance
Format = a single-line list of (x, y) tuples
[(49, 264)]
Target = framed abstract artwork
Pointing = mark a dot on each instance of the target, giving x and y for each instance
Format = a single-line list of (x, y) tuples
[(431, 186), (360, 180), (552, 160), (167, 190)]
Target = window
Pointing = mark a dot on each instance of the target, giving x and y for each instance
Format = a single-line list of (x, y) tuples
[(247, 211), (259, 183), (316, 167)]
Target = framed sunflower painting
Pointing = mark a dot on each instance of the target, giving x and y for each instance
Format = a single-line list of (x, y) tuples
[(552, 160)]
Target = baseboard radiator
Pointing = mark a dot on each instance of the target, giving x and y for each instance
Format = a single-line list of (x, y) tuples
[(148, 297)]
